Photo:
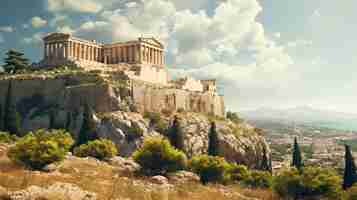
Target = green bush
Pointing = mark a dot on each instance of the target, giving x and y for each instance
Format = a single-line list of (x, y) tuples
[(158, 157), (239, 172), (134, 132), (6, 137), (312, 182), (258, 179), (159, 124), (233, 117), (101, 149), (288, 183), (210, 168), (36, 150), (154, 117)]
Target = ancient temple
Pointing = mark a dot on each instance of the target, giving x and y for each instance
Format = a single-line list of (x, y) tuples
[(60, 48)]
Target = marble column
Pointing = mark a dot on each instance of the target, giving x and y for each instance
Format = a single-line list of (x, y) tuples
[(91, 53), (75, 53), (55, 50)]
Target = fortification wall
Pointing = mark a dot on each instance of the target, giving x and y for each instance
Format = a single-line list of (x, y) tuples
[(149, 97)]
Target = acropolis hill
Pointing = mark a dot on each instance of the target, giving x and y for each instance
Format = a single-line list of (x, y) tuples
[(125, 75)]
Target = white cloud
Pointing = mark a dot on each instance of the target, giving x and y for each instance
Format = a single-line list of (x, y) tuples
[(38, 22), (59, 20), (65, 29), (86, 6), (300, 42), (25, 26), (229, 44), (7, 29), (34, 39), (277, 35)]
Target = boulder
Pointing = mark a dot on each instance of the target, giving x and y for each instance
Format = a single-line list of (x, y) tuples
[(50, 168), (125, 165), (183, 177), (3, 193), (56, 191), (161, 180)]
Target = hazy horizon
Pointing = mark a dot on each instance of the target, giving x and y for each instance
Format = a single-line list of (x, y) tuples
[(263, 53)]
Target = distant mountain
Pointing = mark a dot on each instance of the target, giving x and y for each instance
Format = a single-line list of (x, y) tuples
[(304, 115)]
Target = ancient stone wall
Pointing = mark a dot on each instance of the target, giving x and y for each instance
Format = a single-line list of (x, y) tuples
[(154, 98)]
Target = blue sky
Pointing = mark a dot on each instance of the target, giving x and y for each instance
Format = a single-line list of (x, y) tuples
[(264, 53)]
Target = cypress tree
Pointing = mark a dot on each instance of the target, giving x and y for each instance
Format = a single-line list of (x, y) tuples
[(297, 159), (266, 162), (11, 117), (213, 142), (1, 118), (350, 176), (15, 61), (176, 134), (88, 128)]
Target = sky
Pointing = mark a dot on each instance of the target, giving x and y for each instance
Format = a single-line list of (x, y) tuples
[(263, 53)]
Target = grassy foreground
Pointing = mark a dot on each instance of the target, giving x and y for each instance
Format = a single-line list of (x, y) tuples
[(109, 183)]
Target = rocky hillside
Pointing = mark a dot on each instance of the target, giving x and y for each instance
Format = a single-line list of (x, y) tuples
[(56, 99), (239, 143)]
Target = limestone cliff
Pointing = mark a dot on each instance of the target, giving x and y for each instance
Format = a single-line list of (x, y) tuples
[(56, 100)]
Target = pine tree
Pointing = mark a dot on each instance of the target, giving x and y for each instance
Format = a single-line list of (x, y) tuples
[(350, 176), (11, 116), (297, 159), (88, 128), (176, 134), (213, 142), (15, 61)]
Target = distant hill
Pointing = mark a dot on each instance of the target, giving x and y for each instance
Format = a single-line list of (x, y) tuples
[(304, 115)]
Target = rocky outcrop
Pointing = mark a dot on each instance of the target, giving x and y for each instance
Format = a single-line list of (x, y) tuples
[(127, 130), (238, 143)]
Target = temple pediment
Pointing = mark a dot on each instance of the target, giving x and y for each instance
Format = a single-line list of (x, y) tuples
[(152, 41), (56, 36)]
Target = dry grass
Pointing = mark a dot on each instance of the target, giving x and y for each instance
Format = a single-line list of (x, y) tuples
[(109, 184)]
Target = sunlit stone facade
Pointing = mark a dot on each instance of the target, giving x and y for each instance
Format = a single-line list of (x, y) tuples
[(61, 47)]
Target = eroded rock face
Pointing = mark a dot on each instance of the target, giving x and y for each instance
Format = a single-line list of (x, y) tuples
[(55, 191), (126, 130)]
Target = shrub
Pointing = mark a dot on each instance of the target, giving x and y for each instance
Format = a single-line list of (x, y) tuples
[(134, 132), (6, 137), (233, 117), (36, 150), (313, 182), (154, 117), (180, 110), (210, 168), (239, 172), (159, 124), (288, 183), (101, 149), (167, 112), (158, 157), (258, 179)]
